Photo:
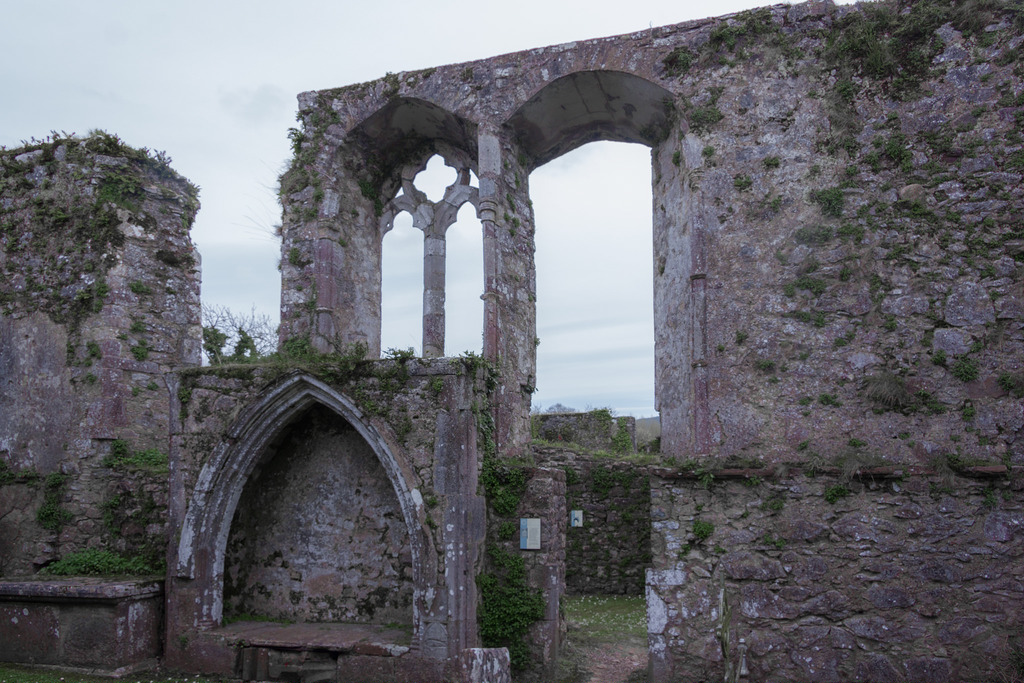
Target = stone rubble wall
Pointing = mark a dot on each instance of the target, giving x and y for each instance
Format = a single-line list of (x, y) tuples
[(610, 553), (904, 576), (99, 299), (837, 241), (595, 430), (856, 249), (543, 496)]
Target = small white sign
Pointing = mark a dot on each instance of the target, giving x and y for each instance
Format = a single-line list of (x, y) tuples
[(575, 518), (529, 533)]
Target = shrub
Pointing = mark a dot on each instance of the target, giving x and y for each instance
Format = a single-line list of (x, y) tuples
[(1012, 383), (834, 493), (505, 483), (702, 530), (678, 61), (508, 606)]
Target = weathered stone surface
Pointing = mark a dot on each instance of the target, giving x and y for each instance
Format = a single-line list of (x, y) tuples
[(969, 304), (610, 553), (896, 572), (951, 341), (109, 626), (745, 565), (319, 535)]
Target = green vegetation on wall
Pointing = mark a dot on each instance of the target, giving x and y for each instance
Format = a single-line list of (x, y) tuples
[(51, 213)]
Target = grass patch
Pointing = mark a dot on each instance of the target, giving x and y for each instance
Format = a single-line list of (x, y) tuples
[(607, 618), (11, 673)]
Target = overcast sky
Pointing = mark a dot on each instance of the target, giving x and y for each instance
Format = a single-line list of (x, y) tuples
[(214, 83)]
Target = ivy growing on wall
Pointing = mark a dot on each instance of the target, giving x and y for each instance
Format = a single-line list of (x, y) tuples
[(508, 606)]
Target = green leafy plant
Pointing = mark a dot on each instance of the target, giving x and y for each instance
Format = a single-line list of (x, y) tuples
[(830, 200), (835, 492), (1012, 383), (122, 456), (702, 530), (97, 562), (965, 369), (141, 350), (505, 483), (508, 606), (829, 400), (678, 61), (51, 514), (139, 287)]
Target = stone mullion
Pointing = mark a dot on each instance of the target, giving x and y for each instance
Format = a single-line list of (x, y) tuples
[(433, 291)]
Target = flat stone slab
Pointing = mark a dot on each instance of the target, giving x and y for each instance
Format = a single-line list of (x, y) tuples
[(78, 588), (360, 639)]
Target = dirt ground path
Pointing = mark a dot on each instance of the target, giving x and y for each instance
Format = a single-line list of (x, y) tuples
[(615, 662)]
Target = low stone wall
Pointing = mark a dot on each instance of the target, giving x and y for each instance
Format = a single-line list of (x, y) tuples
[(897, 575), (108, 627), (595, 430), (610, 553)]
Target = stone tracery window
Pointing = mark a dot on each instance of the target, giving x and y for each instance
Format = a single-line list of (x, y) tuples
[(433, 218)]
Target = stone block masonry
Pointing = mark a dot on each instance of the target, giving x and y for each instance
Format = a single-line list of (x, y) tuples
[(893, 575), (610, 553), (595, 430), (90, 625)]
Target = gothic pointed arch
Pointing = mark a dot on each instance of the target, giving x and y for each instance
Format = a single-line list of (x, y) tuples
[(207, 521)]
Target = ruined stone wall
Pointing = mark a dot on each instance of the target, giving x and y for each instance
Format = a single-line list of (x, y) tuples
[(610, 553), (99, 298), (895, 575), (837, 240), (853, 233), (595, 430)]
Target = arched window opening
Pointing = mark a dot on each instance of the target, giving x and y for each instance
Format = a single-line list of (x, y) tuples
[(402, 286), (465, 283), (595, 317), (432, 220)]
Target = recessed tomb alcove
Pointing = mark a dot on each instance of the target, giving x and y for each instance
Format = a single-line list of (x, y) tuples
[(318, 533)]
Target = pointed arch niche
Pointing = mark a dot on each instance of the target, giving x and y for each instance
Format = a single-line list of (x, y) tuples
[(318, 534), (305, 514)]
